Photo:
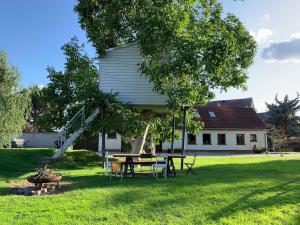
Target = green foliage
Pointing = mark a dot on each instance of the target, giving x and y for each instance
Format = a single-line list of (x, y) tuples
[(39, 107), (189, 48), (14, 102), (70, 89), (260, 150), (283, 114)]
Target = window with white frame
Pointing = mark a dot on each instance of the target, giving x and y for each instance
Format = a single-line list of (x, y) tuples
[(191, 139), (253, 137), (206, 139), (221, 139), (240, 139)]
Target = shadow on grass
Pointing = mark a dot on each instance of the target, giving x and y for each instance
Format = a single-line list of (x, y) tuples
[(262, 197)]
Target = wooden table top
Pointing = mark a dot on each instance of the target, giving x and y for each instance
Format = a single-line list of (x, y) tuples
[(126, 155), (158, 155)]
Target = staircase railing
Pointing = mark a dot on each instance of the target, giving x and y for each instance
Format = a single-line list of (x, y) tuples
[(77, 121), (74, 129)]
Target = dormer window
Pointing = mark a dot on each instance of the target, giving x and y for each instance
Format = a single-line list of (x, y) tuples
[(212, 114)]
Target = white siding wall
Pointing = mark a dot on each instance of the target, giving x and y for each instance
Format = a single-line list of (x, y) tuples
[(230, 141), (40, 140), (110, 144), (119, 73)]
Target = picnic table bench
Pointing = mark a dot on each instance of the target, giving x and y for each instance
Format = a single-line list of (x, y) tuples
[(130, 162)]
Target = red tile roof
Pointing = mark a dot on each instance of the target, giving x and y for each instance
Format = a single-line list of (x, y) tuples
[(230, 118), (234, 103)]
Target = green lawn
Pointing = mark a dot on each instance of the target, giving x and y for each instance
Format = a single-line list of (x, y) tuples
[(226, 190)]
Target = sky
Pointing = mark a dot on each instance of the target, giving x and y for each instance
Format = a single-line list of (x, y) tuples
[(33, 31)]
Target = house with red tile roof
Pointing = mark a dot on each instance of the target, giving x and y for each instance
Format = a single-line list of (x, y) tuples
[(226, 129), (233, 103), (232, 129)]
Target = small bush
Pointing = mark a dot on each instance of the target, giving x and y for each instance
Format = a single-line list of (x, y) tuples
[(260, 150)]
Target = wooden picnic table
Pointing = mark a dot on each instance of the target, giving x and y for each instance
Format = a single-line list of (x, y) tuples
[(129, 162)]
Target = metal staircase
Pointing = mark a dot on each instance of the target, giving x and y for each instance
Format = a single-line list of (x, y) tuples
[(73, 129)]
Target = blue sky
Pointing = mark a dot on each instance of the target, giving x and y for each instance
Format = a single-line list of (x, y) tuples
[(33, 31)]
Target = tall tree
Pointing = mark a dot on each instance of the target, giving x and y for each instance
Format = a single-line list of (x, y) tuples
[(39, 107), (283, 114), (70, 89), (14, 102), (189, 47)]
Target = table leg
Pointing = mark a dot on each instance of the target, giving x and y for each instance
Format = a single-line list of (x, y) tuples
[(173, 167), (168, 166), (131, 166), (125, 167)]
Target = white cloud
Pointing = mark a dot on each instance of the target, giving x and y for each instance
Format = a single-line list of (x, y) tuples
[(283, 51), (295, 36), (262, 35), (41, 86), (267, 16)]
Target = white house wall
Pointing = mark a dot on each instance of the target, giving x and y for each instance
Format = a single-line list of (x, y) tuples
[(40, 140), (119, 73), (230, 141), (110, 144), (115, 144)]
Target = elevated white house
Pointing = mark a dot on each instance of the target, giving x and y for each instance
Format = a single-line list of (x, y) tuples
[(228, 128), (119, 73)]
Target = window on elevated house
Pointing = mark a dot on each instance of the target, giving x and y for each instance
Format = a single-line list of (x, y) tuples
[(240, 139), (221, 139), (191, 139), (112, 135), (253, 138), (206, 139)]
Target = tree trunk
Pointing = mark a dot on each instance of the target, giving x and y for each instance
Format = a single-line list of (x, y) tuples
[(153, 147), (140, 141)]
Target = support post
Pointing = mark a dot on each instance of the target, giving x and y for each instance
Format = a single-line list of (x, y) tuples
[(183, 135), (103, 140), (173, 135)]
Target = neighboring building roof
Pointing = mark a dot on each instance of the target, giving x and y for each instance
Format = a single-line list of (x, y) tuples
[(121, 46), (230, 118), (235, 103)]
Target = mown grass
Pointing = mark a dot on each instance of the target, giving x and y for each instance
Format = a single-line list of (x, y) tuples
[(226, 190)]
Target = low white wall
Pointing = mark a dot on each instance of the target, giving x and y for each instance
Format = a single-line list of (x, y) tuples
[(110, 144), (40, 140), (230, 141), (115, 144)]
